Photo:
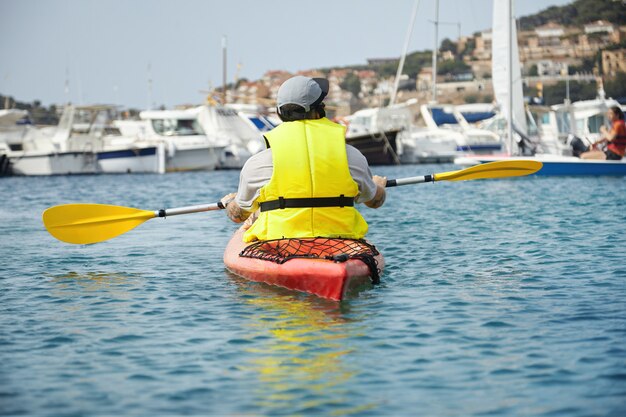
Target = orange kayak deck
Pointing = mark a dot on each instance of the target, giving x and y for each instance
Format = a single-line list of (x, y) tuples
[(322, 277)]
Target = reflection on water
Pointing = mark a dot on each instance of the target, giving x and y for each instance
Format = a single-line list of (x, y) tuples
[(77, 291), (305, 358), (114, 283)]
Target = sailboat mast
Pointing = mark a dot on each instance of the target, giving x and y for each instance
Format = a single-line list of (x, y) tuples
[(435, 47), (509, 104), (150, 97), (223, 70), (396, 83)]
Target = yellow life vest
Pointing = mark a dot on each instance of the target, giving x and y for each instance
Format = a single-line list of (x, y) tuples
[(311, 180)]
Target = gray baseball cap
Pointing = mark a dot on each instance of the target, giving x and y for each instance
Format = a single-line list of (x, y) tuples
[(304, 91)]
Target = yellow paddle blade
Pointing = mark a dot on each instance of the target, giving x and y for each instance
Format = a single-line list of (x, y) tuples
[(498, 169), (92, 223)]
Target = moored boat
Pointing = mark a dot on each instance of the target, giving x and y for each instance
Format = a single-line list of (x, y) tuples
[(186, 146), (227, 130), (557, 123), (84, 142), (471, 139), (556, 165), (320, 266), (374, 132)]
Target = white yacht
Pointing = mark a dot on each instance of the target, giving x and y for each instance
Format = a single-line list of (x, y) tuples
[(13, 129), (477, 112), (80, 144), (178, 132), (14, 126), (255, 116), (374, 132), (227, 129), (41, 154), (421, 144), (472, 139), (414, 142)]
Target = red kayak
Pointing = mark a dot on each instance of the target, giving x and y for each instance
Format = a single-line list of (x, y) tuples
[(329, 268)]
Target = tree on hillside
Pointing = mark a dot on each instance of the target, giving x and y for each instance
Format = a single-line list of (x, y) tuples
[(455, 67), (386, 70), (555, 94), (588, 64), (470, 45), (351, 83), (413, 64), (577, 13), (616, 87), (6, 101), (415, 61), (448, 45), (241, 81), (592, 10)]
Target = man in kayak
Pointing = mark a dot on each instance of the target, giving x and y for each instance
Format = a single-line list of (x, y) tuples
[(306, 182), (614, 138)]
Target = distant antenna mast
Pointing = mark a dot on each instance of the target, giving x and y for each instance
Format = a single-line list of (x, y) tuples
[(238, 69), (149, 86), (6, 98), (117, 96), (223, 69), (396, 83), (66, 88), (436, 22)]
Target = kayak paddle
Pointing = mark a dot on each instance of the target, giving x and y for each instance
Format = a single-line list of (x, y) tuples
[(498, 169), (93, 223)]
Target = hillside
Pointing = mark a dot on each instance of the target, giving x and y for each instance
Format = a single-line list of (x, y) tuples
[(578, 13)]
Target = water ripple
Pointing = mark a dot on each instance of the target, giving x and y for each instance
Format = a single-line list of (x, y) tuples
[(500, 298)]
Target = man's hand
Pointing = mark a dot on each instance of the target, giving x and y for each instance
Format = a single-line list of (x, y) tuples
[(379, 198), (233, 211), (228, 198), (380, 181)]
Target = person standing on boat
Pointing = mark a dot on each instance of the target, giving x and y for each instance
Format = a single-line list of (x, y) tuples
[(306, 182), (615, 138)]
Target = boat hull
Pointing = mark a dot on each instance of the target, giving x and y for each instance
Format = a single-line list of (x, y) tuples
[(59, 163), (321, 277), (556, 165), (203, 158), (480, 148), (378, 148), (117, 161), (428, 146), (233, 157), (122, 161)]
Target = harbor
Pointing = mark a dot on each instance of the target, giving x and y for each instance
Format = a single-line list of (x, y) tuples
[(410, 117), (252, 209)]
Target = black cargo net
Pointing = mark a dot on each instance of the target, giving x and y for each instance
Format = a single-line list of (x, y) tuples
[(338, 250)]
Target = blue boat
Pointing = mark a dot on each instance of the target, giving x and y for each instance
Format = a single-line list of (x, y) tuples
[(507, 84), (555, 165)]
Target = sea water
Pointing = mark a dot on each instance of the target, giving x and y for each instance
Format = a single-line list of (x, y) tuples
[(500, 297)]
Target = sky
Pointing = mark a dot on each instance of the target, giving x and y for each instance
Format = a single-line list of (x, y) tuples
[(105, 51)]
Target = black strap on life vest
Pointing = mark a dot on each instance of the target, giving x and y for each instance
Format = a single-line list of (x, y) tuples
[(283, 203)]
